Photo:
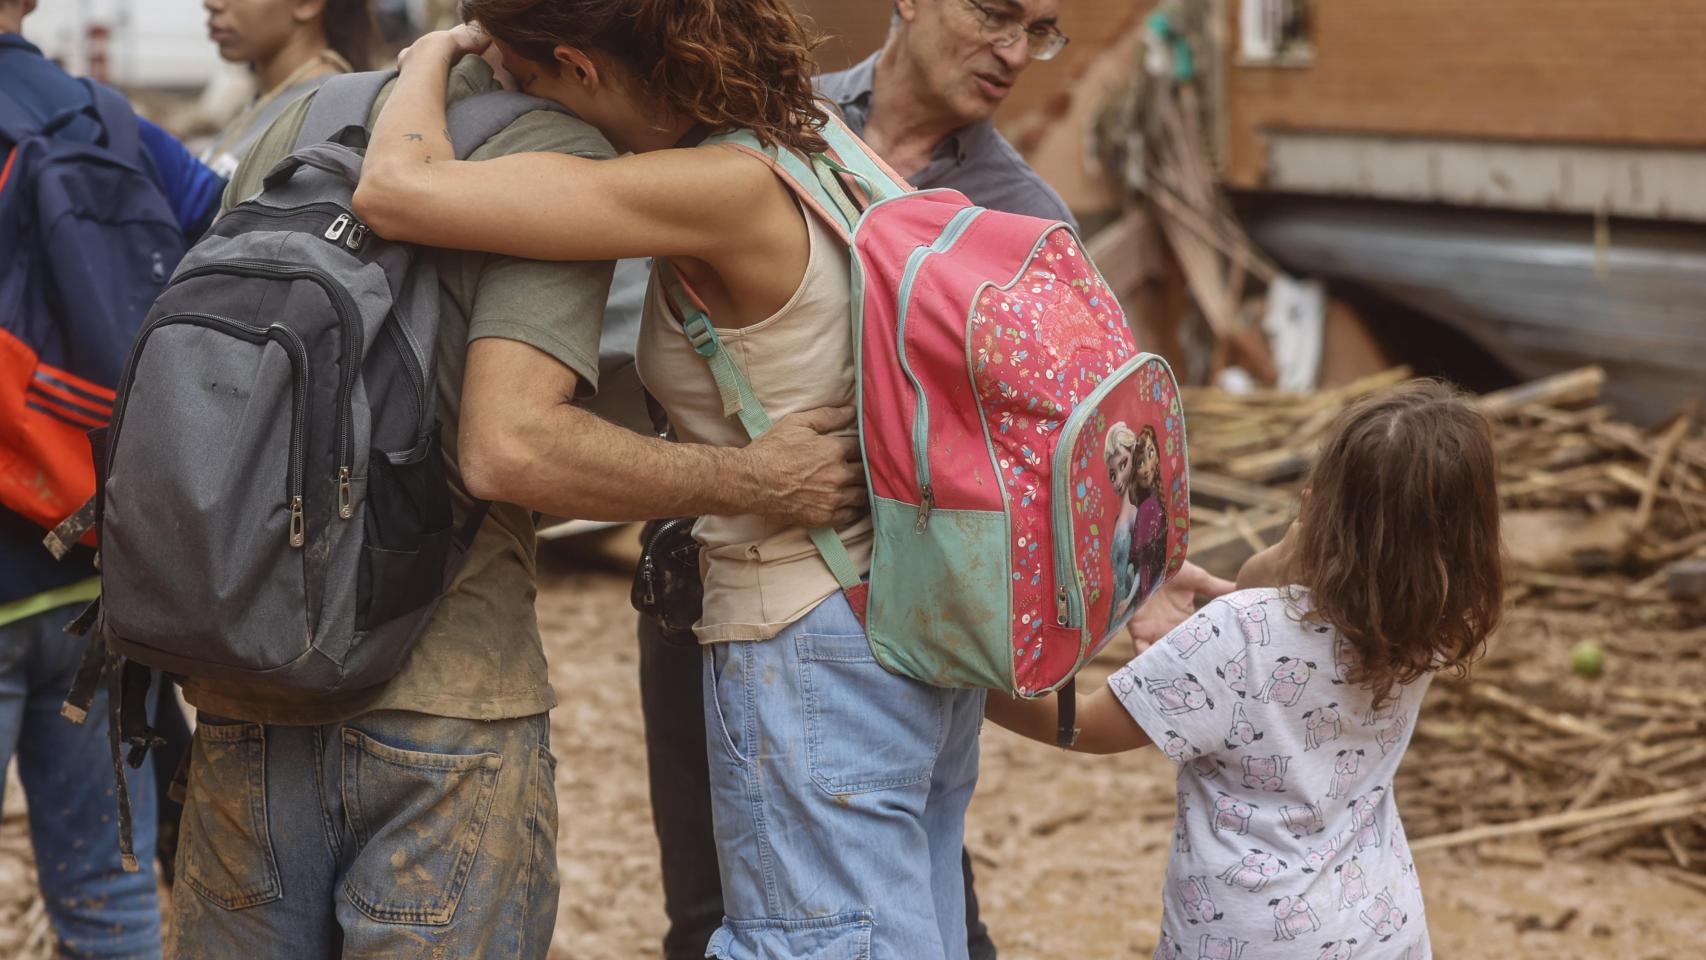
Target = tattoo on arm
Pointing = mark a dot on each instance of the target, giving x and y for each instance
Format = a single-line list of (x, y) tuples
[(447, 138), (413, 137)]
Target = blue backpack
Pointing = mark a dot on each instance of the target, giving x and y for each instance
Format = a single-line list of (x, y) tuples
[(88, 240)]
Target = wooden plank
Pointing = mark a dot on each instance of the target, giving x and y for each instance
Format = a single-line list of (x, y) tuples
[(1558, 722), (1649, 818), (1120, 251), (1373, 383), (1685, 797), (1557, 581), (1678, 550), (1220, 490), (1222, 550), (1687, 759), (1656, 469), (1601, 781), (1166, 196), (1692, 881), (1680, 698), (1203, 275), (1257, 542), (1633, 481), (1273, 466), (1575, 386)]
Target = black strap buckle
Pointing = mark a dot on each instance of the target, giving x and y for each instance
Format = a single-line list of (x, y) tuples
[(1066, 729)]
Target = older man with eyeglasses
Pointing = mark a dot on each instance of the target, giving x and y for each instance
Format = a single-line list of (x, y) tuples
[(926, 100)]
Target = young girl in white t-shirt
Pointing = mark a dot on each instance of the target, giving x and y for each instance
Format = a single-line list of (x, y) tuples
[(1288, 704)]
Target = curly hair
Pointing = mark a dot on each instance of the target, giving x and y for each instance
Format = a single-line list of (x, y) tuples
[(741, 64), (1399, 535)]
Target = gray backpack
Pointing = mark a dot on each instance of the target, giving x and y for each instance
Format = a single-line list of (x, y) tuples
[(274, 505)]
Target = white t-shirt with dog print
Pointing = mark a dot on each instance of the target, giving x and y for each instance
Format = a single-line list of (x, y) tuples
[(1287, 844)]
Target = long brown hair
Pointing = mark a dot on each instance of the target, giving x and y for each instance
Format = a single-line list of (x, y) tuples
[(723, 63), (350, 30), (1398, 540)]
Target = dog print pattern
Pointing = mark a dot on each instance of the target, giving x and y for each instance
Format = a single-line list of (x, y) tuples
[(1287, 843)]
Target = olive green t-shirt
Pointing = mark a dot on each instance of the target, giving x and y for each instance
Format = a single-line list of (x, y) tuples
[(480, 656)]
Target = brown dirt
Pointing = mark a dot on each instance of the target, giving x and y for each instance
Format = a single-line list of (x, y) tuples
[(1070, 850)]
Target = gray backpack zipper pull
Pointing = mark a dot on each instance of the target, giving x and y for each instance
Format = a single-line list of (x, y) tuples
[(336, 230), (297, 533)]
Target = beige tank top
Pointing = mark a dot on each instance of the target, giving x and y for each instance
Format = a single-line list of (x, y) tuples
[(761, 575)]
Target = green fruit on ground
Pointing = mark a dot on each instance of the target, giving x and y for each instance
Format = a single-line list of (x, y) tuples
[(1588, 659)]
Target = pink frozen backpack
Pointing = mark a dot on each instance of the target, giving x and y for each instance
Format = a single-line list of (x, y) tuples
[(1026, 462)]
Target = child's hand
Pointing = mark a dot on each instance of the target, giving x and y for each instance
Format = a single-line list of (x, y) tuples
[(1170, 605)]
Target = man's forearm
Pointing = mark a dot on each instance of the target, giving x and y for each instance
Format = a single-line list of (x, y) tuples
[(569, 462)]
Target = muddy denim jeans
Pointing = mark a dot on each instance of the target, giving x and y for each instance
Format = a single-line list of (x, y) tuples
[(672, 704), (839, 792), (391, 835), (97, 910)]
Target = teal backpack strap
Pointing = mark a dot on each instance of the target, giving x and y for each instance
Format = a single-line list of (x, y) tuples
[(732, 385), (850, 157), (739, 400), (821, 180)]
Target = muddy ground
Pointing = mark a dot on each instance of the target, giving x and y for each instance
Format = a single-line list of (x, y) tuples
[(1069, 850)]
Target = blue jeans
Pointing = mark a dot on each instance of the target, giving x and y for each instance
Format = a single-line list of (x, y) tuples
[(97, 909), (393, 834), (839, 792)]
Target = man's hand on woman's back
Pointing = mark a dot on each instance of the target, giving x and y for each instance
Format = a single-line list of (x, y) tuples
[(806, 469)]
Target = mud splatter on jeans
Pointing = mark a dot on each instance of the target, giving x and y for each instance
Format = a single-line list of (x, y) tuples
[(392, 835)]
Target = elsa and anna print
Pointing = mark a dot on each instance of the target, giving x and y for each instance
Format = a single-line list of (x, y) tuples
[(1140, 532)]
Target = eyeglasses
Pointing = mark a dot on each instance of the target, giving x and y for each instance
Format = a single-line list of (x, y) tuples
[(1002, 28)]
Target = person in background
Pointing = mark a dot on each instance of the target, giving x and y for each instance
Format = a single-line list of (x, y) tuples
[(292, 46), (926, 101), (97, 910)]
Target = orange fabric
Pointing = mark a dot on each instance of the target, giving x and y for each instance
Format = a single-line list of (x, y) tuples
[(94, 389), (82, 406), (54, 407), (6, 171), (46, 471)]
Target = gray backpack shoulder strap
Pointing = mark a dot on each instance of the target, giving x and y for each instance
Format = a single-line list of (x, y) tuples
[(347, 100), (477, 119), (343, 101)]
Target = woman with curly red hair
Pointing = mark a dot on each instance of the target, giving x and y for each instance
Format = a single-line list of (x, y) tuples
[(839, 790)]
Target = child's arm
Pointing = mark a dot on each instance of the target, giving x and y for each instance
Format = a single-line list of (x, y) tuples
[(1104, 726)]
